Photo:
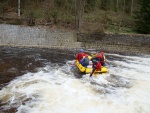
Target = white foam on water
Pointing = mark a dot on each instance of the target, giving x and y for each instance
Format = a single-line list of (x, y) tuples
[(54, 89)]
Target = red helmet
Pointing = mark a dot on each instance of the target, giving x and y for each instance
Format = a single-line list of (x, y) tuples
[(102, 53), (98, 55)]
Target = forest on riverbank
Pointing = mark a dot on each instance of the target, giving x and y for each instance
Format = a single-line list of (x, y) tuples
[(114, 16)]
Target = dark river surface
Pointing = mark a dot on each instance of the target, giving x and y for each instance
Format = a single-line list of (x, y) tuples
[(38, 80), (18, 61)]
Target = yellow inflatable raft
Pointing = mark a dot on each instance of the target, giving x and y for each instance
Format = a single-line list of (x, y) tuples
[(89, 70)]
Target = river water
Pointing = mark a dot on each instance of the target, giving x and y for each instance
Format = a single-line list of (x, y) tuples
[(42, 81)]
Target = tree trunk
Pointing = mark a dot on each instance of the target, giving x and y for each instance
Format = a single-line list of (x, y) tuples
[(117, 4), (131, 13), (121, 18), (19, 8), (124, 3), (47, 4), (79, 10)]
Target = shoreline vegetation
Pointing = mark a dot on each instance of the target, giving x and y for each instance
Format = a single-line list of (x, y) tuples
[(88, 16)]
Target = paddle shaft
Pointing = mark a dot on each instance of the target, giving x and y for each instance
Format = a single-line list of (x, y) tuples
[(92, 71)]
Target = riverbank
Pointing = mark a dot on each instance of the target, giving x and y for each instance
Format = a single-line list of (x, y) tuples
[(25, 36)]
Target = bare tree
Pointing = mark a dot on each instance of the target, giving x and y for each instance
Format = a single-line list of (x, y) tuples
[(19, 8), (131, 13), (117, 5), (79, 10)]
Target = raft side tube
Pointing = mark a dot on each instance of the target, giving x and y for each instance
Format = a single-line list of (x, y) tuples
[(89, 70)]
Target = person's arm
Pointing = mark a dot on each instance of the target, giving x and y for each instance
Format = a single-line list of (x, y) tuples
[(76, 56), (82, 61), (104, 58)]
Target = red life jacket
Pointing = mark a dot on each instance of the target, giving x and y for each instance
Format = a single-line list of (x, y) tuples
[(79, 56), (96, 63), (101, 56), (98, 66)]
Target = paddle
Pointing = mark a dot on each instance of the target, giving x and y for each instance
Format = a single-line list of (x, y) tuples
[(92, 72)]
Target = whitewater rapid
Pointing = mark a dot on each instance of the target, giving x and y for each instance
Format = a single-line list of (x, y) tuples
[(55, 89)]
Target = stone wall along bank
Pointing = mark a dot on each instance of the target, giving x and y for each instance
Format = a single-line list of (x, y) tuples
[(36, 37), (13, 35)]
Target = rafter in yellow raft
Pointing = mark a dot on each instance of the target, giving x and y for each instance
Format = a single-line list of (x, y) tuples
[(89, 70)]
